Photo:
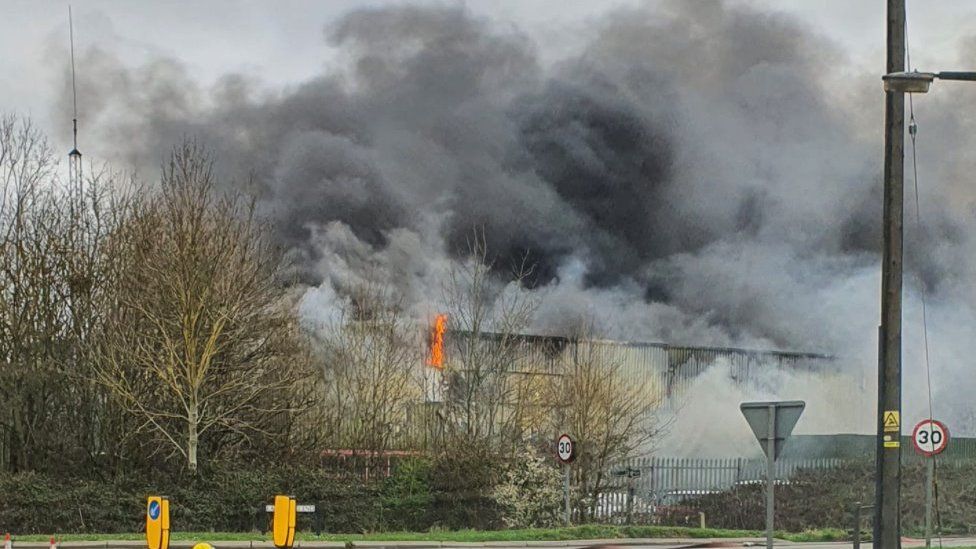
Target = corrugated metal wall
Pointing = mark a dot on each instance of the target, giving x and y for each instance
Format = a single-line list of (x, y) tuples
[(667, 369), (671, 368)]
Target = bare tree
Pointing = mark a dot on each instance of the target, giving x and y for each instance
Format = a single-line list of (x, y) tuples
[(202, 343), (609, 413), (28, 373), (53, 277), (488, 368), (370, 361)]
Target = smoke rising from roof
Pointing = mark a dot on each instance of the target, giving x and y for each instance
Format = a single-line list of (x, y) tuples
[(700, 173)]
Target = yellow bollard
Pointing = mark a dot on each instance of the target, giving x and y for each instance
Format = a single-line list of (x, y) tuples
[(157, 522), (283, 522)]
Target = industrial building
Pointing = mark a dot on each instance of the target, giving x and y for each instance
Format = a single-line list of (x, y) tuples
[(665, 371)]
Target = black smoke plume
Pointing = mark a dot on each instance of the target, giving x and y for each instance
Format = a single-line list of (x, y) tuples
[(695, 174)]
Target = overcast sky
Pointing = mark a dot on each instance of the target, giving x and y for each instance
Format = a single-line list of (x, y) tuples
[(281, 43)]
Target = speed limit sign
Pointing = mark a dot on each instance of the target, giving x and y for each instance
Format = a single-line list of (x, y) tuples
[(930, 437), (565, 449)]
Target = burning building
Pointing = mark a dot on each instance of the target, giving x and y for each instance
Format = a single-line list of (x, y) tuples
[(666, 367), (504, 367)]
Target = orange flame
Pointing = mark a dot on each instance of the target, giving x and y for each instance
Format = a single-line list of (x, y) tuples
[(436, 356)]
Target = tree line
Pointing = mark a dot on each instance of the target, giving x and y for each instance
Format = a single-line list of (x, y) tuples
[(138, 325), (147, 326)]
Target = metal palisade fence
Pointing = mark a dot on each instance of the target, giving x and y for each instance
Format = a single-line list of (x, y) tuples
[(666, 481)]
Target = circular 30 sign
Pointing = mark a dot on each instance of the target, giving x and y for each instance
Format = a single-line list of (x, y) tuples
[(930, 437), (565, 449)]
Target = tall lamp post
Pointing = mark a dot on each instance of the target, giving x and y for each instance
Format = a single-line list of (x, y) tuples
[(888, 455), (887, 527)]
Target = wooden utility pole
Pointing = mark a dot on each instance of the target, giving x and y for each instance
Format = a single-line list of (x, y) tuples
[(887, 523)]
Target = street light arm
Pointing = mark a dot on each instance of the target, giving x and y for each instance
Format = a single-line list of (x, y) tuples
[(908, 82), (919, 82), (956, 75)]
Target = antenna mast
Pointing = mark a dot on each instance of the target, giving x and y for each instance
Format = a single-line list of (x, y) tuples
[(74, 156)]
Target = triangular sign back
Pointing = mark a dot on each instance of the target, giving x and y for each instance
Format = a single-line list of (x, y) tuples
[(787, 413)]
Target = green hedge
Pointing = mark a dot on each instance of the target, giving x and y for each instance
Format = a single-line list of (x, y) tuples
[(823, 499), (230, 501), (419, 496)]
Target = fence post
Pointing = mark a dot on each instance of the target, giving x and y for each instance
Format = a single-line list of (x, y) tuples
[(666, 475), (857, 525), (642, 485), (319, 519), (696, 474), (682, 471), (630, 501), (652, 482)]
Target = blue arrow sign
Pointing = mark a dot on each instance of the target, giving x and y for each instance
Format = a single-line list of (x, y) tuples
[(154, 510)]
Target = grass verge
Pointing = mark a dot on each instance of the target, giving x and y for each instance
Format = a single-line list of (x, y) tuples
[(596, 531), (821, 534)]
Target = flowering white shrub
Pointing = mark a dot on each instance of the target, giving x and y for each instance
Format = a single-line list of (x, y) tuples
[(530, 494)]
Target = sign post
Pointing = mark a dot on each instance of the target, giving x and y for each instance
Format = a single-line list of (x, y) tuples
[(308, 508), (772, 423), (930, 438), (566, 452), (632, 474)]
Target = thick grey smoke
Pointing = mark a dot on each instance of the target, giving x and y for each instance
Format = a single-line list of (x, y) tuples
[(701, 173)]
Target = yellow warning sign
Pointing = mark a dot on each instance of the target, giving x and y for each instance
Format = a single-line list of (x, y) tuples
[(892, 422)]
